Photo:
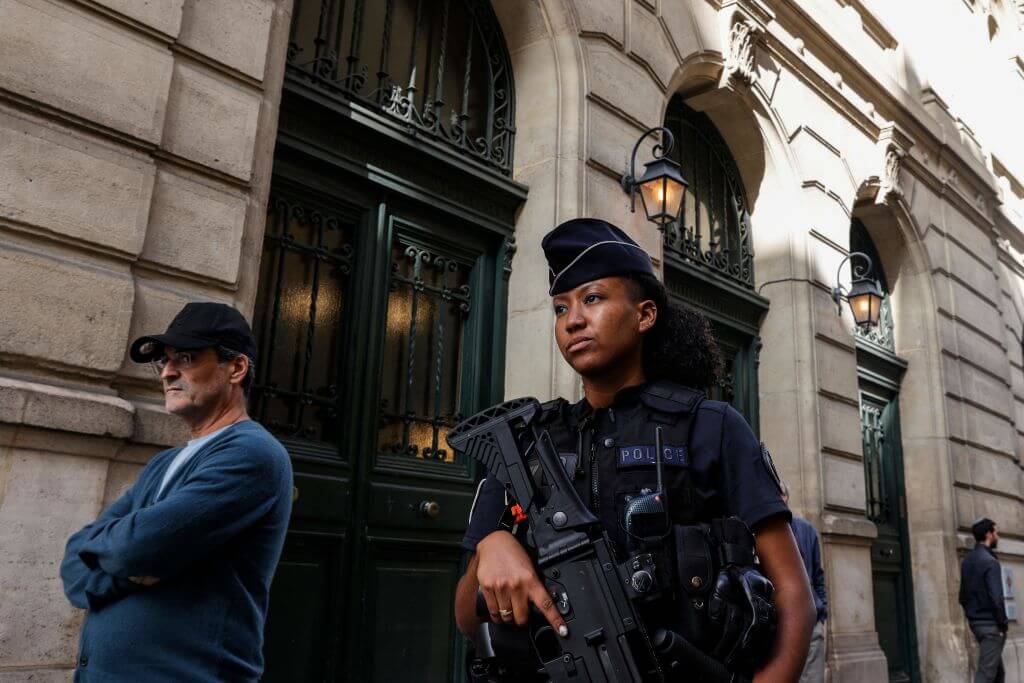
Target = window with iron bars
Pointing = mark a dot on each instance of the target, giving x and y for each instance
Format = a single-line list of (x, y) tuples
[(438, 68)]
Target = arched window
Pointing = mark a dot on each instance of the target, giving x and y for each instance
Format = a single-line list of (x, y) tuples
[(714, 232), (882, 334), (438, 67), (709, 257)]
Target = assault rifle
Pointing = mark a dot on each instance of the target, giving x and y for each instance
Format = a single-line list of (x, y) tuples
[(596, 596)]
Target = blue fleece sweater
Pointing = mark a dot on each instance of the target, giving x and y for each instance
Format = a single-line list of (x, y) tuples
[(213, 537)]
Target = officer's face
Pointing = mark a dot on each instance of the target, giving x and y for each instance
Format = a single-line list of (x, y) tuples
[(599, 326)]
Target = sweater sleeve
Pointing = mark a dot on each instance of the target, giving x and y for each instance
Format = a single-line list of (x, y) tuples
[(234, 486), (818, 580), (994, 584), (91, 587)]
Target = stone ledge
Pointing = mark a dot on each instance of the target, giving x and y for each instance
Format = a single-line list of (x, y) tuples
[(843, 526), (155, 426), (40, 675), (69, 410)]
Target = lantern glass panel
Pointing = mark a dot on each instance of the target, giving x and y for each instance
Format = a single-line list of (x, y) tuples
[(876, 308), (662, 198), (860, 305), (653, 194)]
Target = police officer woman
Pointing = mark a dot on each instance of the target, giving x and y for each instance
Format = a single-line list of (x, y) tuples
[(638, 358)]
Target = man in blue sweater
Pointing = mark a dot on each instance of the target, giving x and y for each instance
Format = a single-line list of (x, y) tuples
[(176, 573)]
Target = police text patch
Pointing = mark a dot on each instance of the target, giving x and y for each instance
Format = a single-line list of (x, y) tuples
[(643, 455)]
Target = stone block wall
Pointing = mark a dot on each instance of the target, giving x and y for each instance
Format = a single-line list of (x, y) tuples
[(135, 153)]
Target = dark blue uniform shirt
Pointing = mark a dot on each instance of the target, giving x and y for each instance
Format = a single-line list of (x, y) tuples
[(981, 587), (729, 472)]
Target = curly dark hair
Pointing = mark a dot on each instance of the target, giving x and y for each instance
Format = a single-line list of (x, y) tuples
[(681, 347)]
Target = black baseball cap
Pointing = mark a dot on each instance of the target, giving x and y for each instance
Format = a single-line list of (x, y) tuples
[(199, 325)]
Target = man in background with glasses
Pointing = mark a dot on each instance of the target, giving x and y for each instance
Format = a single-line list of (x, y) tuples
[(176, 573)]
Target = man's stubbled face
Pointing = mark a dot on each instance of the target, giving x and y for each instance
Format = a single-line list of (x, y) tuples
[(195, 390)]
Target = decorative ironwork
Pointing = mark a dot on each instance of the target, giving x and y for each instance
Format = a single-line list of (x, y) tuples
[(714, 230), (724, 388), (438, 66), (306, 264), (873, 438), (428, 304), (881, 334)]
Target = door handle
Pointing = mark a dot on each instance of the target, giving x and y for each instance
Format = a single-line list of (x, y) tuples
[(295, 494), (429, 509), (887, 552)]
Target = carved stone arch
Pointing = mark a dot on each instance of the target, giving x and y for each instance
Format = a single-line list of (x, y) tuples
[(927, 451)]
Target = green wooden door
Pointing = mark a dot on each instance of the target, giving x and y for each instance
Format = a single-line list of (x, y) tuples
[(376, 321), (381, 316), (892, 580)]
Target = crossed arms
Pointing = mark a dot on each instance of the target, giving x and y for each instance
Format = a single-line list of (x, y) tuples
[(230, 490)]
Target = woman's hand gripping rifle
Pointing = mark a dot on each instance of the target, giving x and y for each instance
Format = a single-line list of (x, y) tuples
[(606, 641)]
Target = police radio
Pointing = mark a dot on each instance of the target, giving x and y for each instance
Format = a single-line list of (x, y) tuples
[(645, 520)]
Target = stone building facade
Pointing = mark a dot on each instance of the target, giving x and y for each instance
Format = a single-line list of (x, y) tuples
[(140, 142)]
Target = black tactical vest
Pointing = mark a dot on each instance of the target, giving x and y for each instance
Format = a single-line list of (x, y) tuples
[(610, 453)]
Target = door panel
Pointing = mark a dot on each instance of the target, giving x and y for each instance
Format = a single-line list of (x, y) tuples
[(409, 507), (320, 498), (305, 602), (890, 552), (374, 319), (410, 611), (418, 493)]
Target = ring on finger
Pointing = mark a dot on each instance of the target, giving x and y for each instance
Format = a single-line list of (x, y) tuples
[(505, 613)]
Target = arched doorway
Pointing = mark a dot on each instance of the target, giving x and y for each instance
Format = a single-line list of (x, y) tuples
[(709, 254), (380, 316), (880, 372)]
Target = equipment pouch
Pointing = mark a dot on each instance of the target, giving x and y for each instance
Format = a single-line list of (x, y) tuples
[(696, 568), (695, 565)]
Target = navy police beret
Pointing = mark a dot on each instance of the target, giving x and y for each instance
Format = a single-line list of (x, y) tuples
[(585, 249)]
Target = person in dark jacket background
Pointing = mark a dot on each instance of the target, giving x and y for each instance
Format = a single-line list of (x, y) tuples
[(810, 550), (981, 596), (176, 573)]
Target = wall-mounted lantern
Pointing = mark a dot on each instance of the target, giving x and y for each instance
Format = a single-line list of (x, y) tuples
[(863, 296), (662, 187)]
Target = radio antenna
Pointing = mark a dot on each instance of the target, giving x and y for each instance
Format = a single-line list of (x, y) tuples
[(659, 447)]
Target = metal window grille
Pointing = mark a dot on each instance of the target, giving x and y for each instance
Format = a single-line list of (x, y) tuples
[(428, 305), (873, 438), (439, 67), (304, 275), (714, 231)]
